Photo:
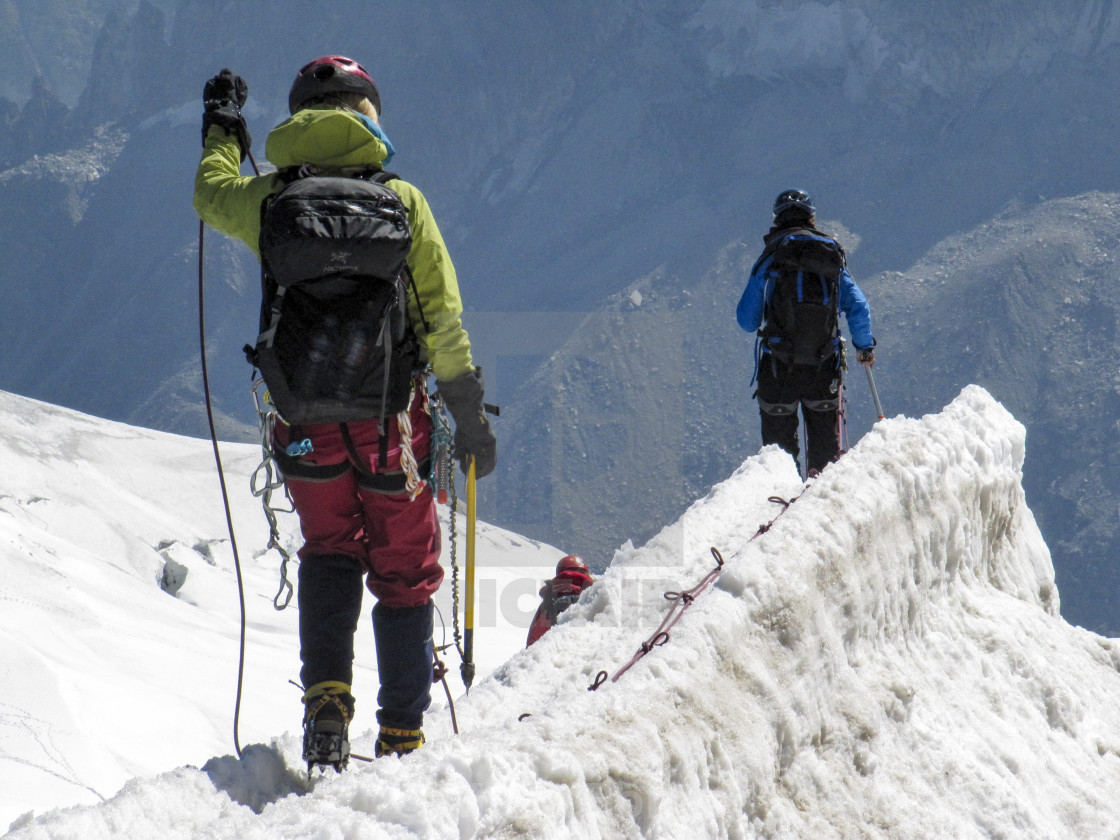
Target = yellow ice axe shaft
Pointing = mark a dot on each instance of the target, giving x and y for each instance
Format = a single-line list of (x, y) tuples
[(467, 668)]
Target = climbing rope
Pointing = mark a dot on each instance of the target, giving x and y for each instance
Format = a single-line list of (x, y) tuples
[(439, 674), (683, 600), (442, 478), (413, 483), (225, 495)]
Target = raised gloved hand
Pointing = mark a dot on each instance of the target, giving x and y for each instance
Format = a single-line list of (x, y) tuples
[(222, 99), (866, 356), (473, 435)]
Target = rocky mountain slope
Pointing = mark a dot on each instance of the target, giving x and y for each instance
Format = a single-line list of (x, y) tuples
[(572, 156)]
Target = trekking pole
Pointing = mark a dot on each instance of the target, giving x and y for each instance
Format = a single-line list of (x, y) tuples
[(467, 668), (874, 392)]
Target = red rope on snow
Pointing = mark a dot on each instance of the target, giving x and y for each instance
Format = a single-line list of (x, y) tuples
[(683, 600)]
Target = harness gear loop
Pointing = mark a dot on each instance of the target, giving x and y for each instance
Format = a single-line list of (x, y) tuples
[(265, 480)]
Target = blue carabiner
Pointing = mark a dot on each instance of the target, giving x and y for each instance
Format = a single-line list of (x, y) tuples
[(299, 447)]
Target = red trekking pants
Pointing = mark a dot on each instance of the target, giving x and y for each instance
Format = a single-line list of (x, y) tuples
[(347, 497)]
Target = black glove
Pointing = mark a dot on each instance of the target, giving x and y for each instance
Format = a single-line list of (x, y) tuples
[(866, 356), (473, 436), (222, 100)]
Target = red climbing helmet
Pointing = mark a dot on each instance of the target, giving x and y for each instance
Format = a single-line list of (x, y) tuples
[(572, 562), (332, 74)]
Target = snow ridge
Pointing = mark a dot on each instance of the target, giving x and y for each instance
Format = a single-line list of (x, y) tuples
[(887, 660)]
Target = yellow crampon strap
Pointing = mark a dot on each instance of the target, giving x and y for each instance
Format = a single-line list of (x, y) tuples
[(327, 687), (320, 694), (398, 741)]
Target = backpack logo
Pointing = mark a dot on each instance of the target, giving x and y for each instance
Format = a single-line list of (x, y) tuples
[(340, 261), (335, 344), (803, 297)]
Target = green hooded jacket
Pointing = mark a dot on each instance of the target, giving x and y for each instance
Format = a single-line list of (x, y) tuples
[(331, 140)]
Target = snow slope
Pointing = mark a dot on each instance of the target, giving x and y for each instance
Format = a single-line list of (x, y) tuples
[(885, 660), (105, 676)]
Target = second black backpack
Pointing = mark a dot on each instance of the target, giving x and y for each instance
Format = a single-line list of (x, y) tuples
[(803, 309), (335, 343)]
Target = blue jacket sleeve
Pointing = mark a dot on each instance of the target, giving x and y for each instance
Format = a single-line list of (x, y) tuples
[(854, 306), (752, 304)]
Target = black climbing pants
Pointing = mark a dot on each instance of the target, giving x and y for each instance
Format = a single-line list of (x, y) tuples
[(816, 390), (330, 603)]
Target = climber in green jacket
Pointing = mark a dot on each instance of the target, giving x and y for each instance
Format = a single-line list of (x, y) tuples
[(362, 513)]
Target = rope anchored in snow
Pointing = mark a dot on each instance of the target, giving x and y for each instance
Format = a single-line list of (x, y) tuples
[(778, 500), (681, 601)]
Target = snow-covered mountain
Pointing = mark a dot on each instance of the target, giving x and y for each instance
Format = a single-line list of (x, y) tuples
[(571, 154), (879, 656)]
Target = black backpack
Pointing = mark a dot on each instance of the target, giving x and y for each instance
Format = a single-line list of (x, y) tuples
[(803, 311), (335, 343)]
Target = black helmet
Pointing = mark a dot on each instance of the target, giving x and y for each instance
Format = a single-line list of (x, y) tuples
[(332, 74), (794, 198)]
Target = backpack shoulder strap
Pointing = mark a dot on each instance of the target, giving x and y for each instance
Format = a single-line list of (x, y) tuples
[(381, 177)]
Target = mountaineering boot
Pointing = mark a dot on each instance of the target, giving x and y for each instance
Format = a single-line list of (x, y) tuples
[(328, 710), (397, 741)]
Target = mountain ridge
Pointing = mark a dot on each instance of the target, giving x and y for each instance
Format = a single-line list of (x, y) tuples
[(881, 656), (570, 156)]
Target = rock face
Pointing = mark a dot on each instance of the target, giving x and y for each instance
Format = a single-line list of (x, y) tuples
[(603, 174)]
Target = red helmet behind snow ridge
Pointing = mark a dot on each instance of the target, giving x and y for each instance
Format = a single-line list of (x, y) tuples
[(332, 74), (572, 561)]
